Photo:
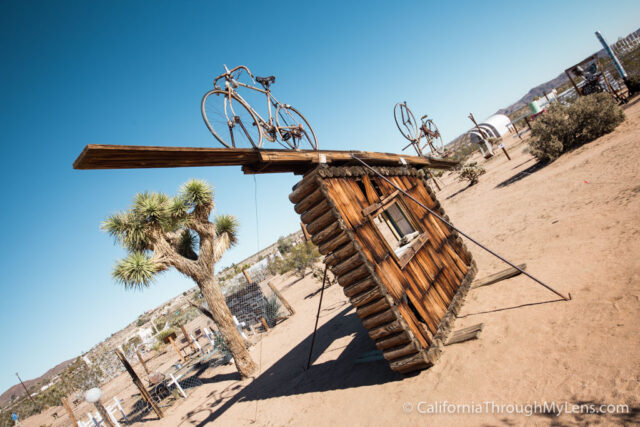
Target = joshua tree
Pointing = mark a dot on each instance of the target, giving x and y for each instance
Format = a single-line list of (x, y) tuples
[(161, 232)]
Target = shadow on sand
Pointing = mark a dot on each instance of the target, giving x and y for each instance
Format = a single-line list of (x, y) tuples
[(288, 376), (522, 174)]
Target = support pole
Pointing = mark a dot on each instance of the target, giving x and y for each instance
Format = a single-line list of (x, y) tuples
[(281, 298), (141, 359), (26, 391), (315, 328), (67, 407), (175, 347), (186, 335), (451, 226), (106, 419), (138, 383)]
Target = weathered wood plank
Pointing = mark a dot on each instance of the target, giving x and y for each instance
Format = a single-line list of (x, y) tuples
[(497, 277), (98, 156), (465, 334)]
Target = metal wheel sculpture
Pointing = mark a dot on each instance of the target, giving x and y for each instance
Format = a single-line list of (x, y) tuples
[(414, 132)]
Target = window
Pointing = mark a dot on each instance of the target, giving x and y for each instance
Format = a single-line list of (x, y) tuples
[(397, 228)]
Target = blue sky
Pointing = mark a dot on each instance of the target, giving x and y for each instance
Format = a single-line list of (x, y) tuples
[(116, 72)]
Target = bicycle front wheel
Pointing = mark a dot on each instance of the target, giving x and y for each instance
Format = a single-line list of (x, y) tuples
[(294, 130), (231, 120), (405, 121)]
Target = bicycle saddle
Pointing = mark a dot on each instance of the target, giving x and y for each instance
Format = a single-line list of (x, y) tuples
[(266, 81)]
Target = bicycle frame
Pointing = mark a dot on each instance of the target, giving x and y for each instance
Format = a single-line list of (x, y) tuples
[(230, 85)]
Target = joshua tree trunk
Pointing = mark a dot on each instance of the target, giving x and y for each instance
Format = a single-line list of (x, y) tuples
[(224, 320)]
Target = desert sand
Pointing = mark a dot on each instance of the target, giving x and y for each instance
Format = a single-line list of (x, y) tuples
[(575, 223)]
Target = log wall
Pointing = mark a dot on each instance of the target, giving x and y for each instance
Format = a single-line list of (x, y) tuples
[(409, 306)]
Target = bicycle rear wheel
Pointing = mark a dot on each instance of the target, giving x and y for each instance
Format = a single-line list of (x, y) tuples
[(294, 130), (405, 121), (434, 141), (230, 120)]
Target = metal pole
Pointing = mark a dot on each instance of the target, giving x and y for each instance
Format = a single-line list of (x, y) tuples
[(613, 57), (315, 328), (461, 232)]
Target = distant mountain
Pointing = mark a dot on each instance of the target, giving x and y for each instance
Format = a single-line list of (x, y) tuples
[(18, 391), (539, 90)]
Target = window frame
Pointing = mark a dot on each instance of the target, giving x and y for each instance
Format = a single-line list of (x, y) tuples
[(372, 211)]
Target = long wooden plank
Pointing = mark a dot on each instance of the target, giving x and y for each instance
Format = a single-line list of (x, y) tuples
[(98, 156), (497, 277)]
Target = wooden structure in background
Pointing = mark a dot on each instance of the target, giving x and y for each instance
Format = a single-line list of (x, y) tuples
[(407, 291)]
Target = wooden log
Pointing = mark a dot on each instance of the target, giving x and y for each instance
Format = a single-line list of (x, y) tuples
[(138, 383), (411, 363), (315, 212), (398, 352), (359, 287), (385, 330), (465, 334), (379, 319), (281, 298), (264, 324), (340, 254), (497, 277), (354, 261), (353, 276), (366, 297), (303, 188), (335, 242), (393, 341), (189, 340), (321, 222), (246, 276), (308, 202), (372, 308), (67, 408), (142, 362), (175, 347)]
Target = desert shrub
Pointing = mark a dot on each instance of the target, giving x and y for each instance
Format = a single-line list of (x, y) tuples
[(300, 257), (471, 172), (164, 334), (271, 310), (284, 245), (220, 343), (633, 83), (565, 127)]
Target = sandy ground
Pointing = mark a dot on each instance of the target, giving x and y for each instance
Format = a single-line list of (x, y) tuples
[(576, 223)]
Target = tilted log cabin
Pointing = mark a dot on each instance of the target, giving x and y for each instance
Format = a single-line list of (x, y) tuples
[(403, 269)]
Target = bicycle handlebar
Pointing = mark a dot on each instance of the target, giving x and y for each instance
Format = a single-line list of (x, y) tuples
[(228, 73)]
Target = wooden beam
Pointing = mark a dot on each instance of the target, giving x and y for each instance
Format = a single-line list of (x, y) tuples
[(281, 298), (97, 156), (465, 334), (497, 277)]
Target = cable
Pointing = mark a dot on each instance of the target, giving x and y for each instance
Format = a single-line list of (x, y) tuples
[(255, 202), (461, 232)]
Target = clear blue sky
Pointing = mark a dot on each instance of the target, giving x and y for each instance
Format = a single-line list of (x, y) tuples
[(133, 72)]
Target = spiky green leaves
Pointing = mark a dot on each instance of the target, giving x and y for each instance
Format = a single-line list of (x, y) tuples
[(128, 230), (227, 224), (136, 271), (196, 192)]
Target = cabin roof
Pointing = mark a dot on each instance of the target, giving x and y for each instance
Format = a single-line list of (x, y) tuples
[(96, 156)]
